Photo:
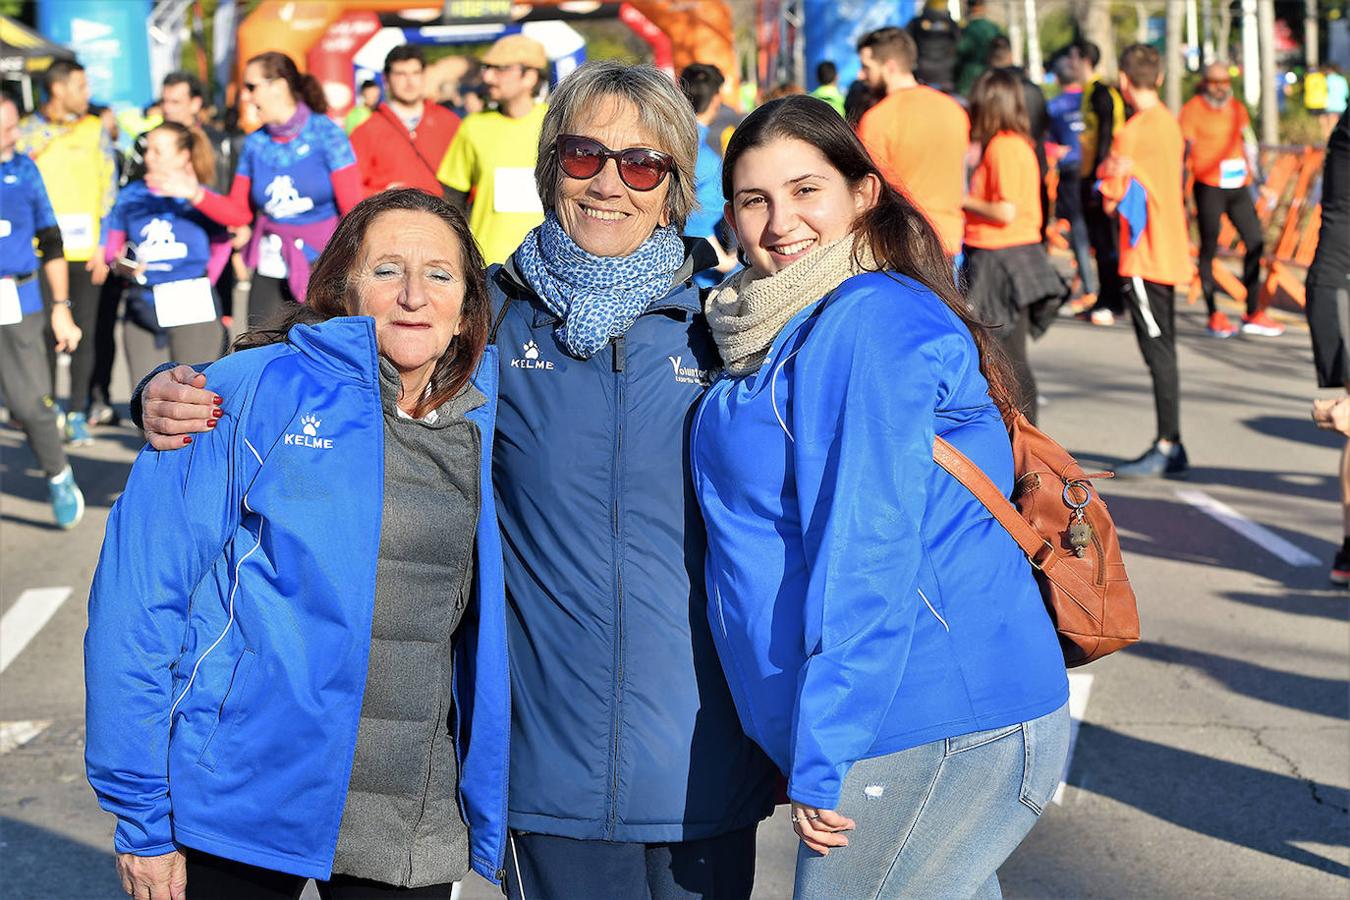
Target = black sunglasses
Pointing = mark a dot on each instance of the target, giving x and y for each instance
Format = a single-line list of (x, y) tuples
[(250, 87), (641, 168)]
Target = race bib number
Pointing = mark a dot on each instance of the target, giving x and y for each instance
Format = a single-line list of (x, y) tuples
[(6, 229), (513, 191), (270, 263), (185, 302), (10, 311), (1232, 173), (77, 231)]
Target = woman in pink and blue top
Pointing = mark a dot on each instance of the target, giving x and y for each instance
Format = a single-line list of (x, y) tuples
[(170, 255), (296, 176)]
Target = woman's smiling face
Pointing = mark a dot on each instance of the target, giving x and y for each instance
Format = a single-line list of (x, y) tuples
[(602, 214), (788, 199)]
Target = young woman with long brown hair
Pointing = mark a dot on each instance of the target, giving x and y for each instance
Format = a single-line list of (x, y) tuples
[(882, 636), (1009, 281)]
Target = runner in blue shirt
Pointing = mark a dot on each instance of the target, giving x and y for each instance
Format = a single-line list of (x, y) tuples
[(26, 222), (1066, 125), (171, 254)]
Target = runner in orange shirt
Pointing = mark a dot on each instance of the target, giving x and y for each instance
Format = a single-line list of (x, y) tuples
[(917, 136), (1222, 160), (1141, 178), (1010, 282)]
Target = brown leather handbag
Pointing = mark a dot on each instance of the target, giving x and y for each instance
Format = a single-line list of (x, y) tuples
[(1064, 528)]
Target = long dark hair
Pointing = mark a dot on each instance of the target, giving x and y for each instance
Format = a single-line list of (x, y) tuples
[(998, 102), (900, 236), (330, 294), (304, 88)]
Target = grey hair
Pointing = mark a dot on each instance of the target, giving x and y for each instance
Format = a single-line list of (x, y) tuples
[(662, 111)]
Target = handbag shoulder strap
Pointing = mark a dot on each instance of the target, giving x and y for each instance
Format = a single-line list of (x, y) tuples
[(1039, 550)]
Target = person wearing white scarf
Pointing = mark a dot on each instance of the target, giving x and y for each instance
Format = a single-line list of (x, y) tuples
[(885, 642)]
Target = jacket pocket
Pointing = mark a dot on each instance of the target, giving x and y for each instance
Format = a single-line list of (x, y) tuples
[(230, 713)]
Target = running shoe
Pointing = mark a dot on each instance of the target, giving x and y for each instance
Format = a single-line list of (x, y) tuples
[(77, 429), (1102, 317), (1261, 324), (1220, 326), (1083, 303), (1156, 463), (101, 413), (1340, 567), (67, 501)]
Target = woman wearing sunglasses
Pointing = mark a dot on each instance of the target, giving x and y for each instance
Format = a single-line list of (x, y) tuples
[(630, 773), (296, 175)]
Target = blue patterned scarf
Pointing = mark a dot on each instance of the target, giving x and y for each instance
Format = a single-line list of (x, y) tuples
[(597, 297)]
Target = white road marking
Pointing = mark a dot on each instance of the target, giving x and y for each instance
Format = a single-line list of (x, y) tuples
[(1257, 534), (1080, 685), (14, 735), (26, 618)]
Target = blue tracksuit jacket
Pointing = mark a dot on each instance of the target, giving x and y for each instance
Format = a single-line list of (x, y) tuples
[(862, 600), (229, 620), (622, 727)]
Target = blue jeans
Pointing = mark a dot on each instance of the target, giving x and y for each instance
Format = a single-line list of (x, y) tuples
[(938, 820)]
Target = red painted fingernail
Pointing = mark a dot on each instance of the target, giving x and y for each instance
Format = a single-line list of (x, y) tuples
[(217, 413), (187, 439), (210, 423), (217, 399)]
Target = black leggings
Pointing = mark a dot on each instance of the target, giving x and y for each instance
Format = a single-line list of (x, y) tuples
[(1104, 235), (1212, 204), (1153, 312), (1013, 337), (85, 302), (215, 878)]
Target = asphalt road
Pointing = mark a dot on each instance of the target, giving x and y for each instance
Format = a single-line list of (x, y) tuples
[(1213, 760)]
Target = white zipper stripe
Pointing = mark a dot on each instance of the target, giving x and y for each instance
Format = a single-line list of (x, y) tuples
[(773, 393), (233, 590), (931, 610), (255, 452)]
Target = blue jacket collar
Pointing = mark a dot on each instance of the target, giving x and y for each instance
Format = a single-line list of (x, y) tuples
[(344, 345)]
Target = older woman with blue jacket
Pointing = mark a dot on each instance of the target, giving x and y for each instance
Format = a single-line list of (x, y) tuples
[(882, 634), (296, 657)]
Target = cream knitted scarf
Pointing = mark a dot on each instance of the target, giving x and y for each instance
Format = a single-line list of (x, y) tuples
[(746, 311)]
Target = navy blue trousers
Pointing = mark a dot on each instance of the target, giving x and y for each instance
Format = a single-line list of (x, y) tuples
[(546, 867)]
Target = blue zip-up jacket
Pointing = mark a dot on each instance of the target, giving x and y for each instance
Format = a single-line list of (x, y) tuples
[(622, 725), (229, 619), (863, 601)]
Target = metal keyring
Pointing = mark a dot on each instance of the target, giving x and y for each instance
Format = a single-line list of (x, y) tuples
[(1074, 504)]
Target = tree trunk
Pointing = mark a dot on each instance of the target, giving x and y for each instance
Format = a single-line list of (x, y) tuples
[(1093, 19), (1173, 58), (1035, 65), (1014, 31), (1270, 114), (1253, 87), (1140, 22), (1225, 29), (1310, 48)]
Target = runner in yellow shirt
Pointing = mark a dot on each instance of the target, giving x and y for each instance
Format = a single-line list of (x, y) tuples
[(489, 166), (75, 156)]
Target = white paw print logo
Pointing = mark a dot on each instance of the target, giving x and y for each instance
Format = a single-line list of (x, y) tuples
[(531, 350), (311, 424)]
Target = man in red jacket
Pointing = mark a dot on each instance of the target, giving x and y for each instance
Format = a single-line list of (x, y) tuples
[(403, 141)]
